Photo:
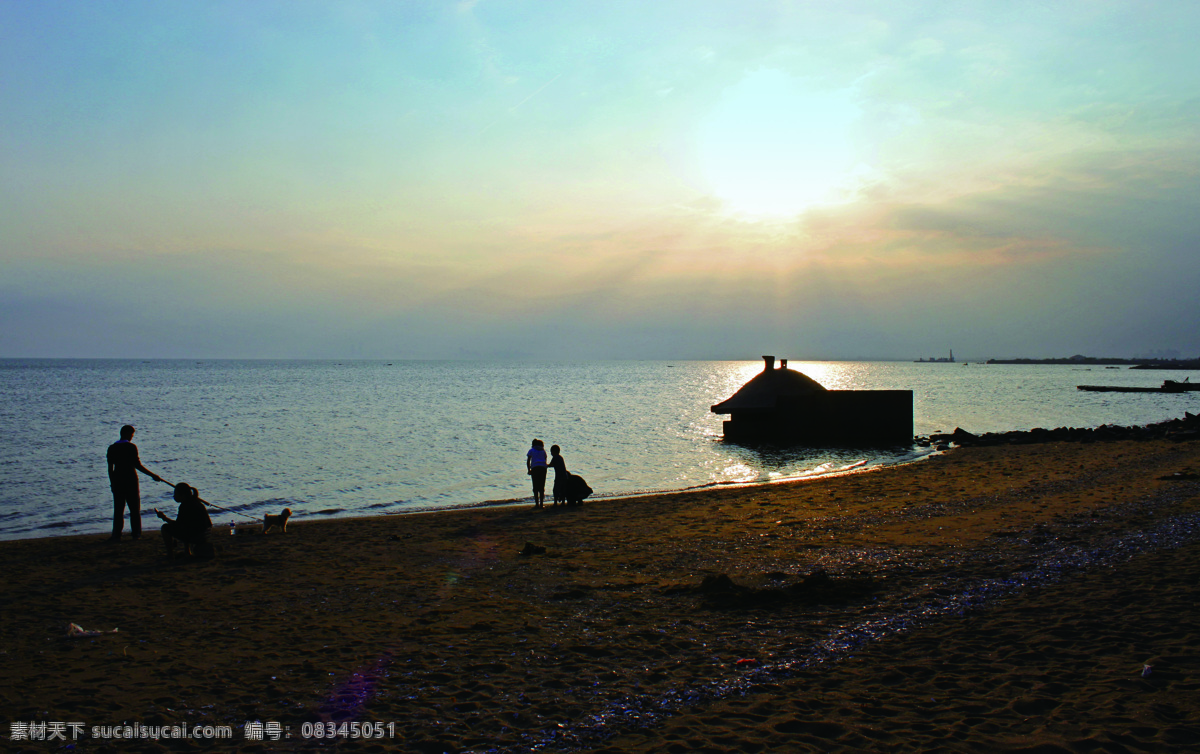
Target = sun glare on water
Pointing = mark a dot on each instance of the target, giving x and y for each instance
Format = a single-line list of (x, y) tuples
[(772, 148)]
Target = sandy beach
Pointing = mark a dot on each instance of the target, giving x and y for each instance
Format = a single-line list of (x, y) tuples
[(1005, 598)]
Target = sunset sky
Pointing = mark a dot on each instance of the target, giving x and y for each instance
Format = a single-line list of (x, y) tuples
[(496, 179)]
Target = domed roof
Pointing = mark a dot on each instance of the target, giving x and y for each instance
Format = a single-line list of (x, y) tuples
[(767, 387)]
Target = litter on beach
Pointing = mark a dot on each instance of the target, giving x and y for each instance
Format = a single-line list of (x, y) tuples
[(74, 630)]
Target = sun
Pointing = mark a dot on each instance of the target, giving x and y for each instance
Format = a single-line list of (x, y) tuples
[(773, 148)]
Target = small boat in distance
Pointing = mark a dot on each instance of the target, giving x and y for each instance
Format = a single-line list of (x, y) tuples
[(1175, 386), (937, 360), (1168, 386)]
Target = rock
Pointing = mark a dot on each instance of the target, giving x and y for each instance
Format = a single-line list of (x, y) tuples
[(719, 584), (532, 549), (963, 437)]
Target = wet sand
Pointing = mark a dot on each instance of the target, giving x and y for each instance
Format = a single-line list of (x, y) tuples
[(998, 598)]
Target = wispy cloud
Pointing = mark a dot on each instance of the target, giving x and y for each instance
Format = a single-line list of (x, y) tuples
[(462, 170)]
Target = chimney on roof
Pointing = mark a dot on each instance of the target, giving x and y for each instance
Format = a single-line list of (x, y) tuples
[(783, 363), (769, 363)]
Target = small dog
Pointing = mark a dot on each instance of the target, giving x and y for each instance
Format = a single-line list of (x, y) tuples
[(270, 521)]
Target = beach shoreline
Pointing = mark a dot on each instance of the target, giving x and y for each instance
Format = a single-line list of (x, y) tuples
[(222, 514), (647, 621)]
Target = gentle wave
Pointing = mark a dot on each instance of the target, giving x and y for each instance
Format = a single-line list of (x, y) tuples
[(363, 438)]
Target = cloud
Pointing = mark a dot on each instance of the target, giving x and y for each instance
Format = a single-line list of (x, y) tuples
[(527, 180)]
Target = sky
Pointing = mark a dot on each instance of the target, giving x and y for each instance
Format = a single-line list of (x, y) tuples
[(598, 180)]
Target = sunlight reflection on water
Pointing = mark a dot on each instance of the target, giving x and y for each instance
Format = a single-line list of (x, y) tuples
[(380, 437)]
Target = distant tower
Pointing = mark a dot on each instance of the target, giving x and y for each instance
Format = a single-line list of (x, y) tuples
[(951, 355)]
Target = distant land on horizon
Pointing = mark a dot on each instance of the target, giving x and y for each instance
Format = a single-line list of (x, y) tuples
[(1135, 363), (1140, 362)]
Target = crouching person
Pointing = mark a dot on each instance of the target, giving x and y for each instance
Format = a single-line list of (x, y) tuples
[(191, 526)]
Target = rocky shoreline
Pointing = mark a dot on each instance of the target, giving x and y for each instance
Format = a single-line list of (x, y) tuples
[(1176, 430)]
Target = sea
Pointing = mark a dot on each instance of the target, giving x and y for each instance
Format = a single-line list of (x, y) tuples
[(334, 439)]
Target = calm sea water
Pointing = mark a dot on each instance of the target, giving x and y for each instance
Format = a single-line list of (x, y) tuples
[(371, 437)]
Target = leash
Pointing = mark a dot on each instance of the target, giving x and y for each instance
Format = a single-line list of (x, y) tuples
[(214, 505)]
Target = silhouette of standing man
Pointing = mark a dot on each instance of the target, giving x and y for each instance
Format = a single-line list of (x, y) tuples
[(123, 465)]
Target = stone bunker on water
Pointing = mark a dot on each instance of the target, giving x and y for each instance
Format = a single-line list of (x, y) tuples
[(786, 406)]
